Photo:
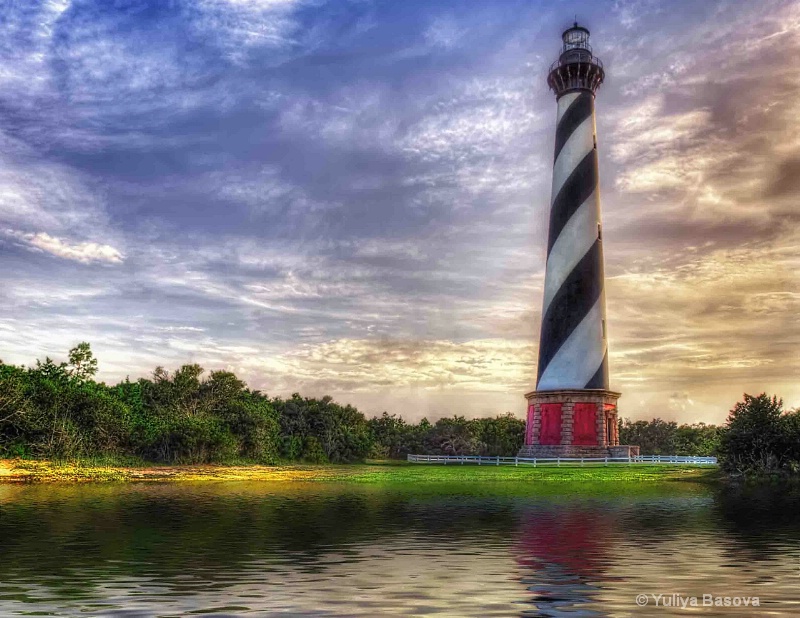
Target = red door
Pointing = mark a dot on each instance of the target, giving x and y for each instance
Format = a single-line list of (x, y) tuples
[(584, 424), (551, 424)]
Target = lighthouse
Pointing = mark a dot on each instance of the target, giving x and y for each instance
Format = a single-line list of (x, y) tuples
[(573, 412)]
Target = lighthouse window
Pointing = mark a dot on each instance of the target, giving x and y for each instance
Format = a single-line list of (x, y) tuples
[(599, 232), (603, 322)]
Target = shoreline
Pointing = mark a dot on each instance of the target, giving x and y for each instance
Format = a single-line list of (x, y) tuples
[(371, 472)]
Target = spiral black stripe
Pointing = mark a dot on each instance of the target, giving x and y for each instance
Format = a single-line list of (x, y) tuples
[(570, 305), (578, 111), (576, 190), (600, 378)]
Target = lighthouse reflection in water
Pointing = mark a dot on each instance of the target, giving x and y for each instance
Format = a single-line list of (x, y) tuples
[(567, 553)]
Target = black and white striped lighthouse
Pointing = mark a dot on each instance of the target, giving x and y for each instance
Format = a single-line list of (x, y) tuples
[(572, 411), (572, 347)]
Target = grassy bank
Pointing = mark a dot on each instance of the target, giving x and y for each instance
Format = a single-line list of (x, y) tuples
[(374, 473)]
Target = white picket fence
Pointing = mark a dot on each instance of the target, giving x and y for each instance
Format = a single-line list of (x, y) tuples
[(558, 461)]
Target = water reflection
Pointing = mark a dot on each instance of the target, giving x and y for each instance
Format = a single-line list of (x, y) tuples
[(260, 549), (566, 552)]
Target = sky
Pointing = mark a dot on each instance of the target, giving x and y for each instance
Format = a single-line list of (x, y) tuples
[(350, 197)]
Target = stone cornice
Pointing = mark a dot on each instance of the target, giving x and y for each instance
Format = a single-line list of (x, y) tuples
[(585, 394)]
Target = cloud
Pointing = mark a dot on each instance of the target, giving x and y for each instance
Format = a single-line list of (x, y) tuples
[(786, 182), (478, 118), (240, 27), (444, 32), (38, 193), (701, 322), (84, 252), (363, 365)]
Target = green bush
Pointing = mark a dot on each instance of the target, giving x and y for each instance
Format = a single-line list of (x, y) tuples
[(341, 431), (501, 435), (59, 411), (658, 437), (760, 438), (313, 453)]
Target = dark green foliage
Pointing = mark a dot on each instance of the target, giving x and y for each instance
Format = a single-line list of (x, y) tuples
[(184, 418), (253, 418), (654, 437), (83, 364), (341, 432), (16, 411), (501, 435), (453, 436), (389, 433), (394, 438), (456, 435), (312, 451), (658, 437), (698, 439), (760, 437), (792, 428), (58, 411), (54, 410)]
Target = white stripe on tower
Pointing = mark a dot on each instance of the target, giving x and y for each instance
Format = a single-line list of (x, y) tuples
[(579, 144), (577, 237), (563, 104), (580, 355)]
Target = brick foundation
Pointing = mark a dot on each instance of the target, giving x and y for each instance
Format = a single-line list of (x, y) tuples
[(559, 424)]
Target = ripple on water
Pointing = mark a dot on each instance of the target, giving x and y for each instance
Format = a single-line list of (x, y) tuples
[(257, 549)]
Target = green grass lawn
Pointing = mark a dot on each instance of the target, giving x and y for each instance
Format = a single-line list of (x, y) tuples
[(371, 473)]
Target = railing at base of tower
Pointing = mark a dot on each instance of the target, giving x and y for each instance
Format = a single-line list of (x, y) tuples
[(558, 461)]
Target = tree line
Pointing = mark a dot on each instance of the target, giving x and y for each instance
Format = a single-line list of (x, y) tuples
[(659, 437), (58, 410)]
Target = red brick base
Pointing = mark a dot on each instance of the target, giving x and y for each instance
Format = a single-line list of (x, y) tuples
[(572, 418)]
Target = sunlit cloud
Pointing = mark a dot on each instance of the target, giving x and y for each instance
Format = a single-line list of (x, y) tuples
[(84, 252)]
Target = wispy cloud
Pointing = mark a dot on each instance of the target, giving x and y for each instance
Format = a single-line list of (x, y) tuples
[(84, 252)]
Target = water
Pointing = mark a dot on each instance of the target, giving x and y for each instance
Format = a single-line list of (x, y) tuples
[(237, 549)]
